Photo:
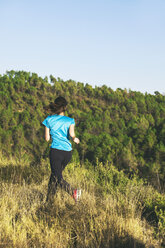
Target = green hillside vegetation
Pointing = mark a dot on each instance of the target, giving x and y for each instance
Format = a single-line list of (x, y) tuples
[(119, 164), (125, 128)]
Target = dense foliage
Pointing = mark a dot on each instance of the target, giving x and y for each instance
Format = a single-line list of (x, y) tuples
[(125, 128)]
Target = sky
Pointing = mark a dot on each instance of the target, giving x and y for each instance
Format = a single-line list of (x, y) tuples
[(118, 43)]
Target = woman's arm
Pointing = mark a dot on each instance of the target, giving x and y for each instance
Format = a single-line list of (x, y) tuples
[(47, 134), (72, 134)]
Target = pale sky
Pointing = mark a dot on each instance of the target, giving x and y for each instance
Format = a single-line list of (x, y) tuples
[(119, 43)]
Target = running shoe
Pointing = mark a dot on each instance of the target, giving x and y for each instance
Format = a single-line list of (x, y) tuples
[(76, 194)]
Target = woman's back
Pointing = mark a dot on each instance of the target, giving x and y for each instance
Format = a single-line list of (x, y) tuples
[(59, 131)]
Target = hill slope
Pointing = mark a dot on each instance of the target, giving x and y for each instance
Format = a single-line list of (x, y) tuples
[(114, 211), (125, 128)]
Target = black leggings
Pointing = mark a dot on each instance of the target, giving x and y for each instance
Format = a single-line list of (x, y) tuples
[(58, 161)]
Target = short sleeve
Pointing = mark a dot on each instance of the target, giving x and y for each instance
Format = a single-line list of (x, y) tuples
[(73, 121), (46, 123)]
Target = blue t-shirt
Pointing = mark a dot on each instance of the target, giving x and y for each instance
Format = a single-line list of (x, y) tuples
[(59, 131)]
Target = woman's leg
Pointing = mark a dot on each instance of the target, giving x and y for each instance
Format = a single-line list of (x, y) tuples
[(58, 161), (56, 172), (67, 155)]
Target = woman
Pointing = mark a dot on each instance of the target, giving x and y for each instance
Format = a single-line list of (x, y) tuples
[(60, 128)]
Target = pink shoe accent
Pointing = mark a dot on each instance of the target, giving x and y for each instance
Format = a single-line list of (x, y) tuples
[(77, 194)]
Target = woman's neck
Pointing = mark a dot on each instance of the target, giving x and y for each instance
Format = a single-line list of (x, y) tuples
[(62, 113)]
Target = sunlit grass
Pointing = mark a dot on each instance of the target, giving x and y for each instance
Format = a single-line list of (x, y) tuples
[(99, 219)]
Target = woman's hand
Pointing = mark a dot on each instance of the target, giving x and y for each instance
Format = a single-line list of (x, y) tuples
[(76, 140)]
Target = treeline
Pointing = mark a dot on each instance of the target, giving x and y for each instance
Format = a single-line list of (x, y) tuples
[(125, 128)]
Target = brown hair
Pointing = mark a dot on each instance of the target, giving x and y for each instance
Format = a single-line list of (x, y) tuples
[(58, 106)]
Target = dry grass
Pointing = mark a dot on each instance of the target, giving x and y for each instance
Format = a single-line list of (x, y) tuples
[(98, 220)]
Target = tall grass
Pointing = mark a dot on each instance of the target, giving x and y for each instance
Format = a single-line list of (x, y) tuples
[(109, 213)]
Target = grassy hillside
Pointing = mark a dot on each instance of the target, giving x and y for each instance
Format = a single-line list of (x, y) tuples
[(114, 211), (119, 164)]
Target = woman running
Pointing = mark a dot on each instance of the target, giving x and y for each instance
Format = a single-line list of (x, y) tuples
[(60, 128)]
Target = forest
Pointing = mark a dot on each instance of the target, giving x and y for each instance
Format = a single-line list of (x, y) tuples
[(119, 164), (124, 127)]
